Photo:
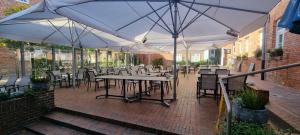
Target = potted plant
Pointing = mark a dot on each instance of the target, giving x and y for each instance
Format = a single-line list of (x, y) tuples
[(38, 80), (157, 62), (239, 57), (277, 53), (249, 106), (245, 56), (258, 54), (4, 96)]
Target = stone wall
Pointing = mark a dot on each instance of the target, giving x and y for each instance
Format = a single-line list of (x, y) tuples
[(14, 113)]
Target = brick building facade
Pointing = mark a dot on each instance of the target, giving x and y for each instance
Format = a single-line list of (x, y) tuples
[(253, 41)]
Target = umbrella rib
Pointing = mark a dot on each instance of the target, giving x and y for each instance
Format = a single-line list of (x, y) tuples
[(53, 26), (225, 7), (194, 19), (146, 15), (53, 33), (159, 16), (160, 24), (208, 16), (156, 22), (186, 15), (171, 11), (79, 35)]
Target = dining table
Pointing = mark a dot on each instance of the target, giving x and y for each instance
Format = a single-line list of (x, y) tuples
[(138, 78)]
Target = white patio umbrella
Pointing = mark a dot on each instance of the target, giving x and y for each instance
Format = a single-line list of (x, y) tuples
[(165, 21), (38, 25)]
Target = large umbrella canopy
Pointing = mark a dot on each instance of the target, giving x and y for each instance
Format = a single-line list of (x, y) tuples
[(291, 17), (38, 25), (152, 21)]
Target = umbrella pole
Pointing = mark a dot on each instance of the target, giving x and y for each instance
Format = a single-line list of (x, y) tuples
[(263, 50), (73, 65), (175, 36), (53, 59), (81, 57), (22, 50), (97, 64), (187, 62)]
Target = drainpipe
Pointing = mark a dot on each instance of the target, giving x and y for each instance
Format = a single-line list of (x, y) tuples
[(263, 50), (22, 50)]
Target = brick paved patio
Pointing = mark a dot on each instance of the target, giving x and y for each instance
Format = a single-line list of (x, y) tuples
[(187, 115)]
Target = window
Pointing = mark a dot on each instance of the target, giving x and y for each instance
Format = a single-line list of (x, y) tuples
[(212, 53), (261, 39), (279, 36), (247, 42), (179, 57), (195, 57)]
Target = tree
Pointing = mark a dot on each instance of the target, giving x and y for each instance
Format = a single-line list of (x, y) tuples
[(14, 9), (13, 45)]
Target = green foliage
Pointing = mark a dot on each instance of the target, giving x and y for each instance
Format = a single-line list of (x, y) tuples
[(157, 62), (245, 56), (31, 94), (4, 96), (15, 8), (197, 64), (252, 100), (245, 128), (39, 66), (258, 53), (277, 52), (12, 45), (181, 63)]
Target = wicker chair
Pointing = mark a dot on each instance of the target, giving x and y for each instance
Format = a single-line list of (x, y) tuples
[(204, 71), (235, 85), (222, 72), (9, 84), (56, 78), (21, 85), (92, 78), (207, 82), (80, 76), (130, 83)]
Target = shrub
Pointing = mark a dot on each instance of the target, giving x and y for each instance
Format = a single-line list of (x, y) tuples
[(245, 128), (30, 94), (4, 96), (39, 80), (258, 53), (157, 62), (245, 56), (250, 99), (277, 52)]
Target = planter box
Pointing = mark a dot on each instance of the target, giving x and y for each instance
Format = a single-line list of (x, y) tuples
[(249, 115), (17, 112), (40, 86), (277, 58)]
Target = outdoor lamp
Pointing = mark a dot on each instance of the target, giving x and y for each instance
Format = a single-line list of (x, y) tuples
[(144, 40), (232, 33)]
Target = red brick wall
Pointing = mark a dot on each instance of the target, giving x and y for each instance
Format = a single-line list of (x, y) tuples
[(16, 112), (290, 77), (145, 60), (8, 61)]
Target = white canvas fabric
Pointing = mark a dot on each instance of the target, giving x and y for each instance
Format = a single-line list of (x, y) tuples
[(39, 25), (134, 20), (219, 16)]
